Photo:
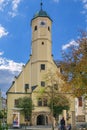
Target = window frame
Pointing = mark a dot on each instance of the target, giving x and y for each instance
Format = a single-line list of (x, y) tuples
[(42, 83), (42, 66)]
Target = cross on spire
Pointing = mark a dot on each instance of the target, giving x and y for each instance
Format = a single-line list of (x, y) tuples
[(41, 4)]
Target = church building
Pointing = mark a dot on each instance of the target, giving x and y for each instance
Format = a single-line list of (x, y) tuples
[(31, 78)]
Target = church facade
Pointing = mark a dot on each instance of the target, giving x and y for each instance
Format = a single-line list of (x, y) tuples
[(31, 76)]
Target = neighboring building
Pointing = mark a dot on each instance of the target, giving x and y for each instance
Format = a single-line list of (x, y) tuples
[(81, 109), (3, 102), (31, 77)]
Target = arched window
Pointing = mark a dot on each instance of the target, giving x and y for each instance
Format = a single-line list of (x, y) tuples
[(48, 28), (42, 43), (35, 28)]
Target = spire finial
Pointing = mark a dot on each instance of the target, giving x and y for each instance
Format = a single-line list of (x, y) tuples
[(41, 4)]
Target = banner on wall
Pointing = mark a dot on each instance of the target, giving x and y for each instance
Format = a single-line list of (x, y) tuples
[(16, 119)]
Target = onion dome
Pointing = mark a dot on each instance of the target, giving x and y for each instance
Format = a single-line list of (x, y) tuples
[(41, 13)]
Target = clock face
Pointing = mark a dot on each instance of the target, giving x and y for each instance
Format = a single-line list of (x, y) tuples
[(43, 23)]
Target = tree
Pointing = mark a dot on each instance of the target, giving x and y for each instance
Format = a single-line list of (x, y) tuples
[(57, 101), (1, 114), (74, 67), (26, 104), (60, 103)]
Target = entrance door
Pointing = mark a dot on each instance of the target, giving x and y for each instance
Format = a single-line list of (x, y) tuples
[(41, 120)]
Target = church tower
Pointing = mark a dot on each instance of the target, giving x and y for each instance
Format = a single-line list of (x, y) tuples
[(41, 55), (41, 36)]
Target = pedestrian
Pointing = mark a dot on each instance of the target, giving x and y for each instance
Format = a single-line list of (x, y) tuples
[(69, 127), (62, 123)]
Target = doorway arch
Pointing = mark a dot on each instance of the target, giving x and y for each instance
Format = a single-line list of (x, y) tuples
[(40, 120)]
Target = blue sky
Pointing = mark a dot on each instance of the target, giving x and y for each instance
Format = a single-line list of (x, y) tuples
[(69, 17)]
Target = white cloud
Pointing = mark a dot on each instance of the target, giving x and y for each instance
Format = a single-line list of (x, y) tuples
[(84, 1), (8, 69), (1, 53), (84, 11), (15, 4), (10, 65), (3, 31), (12, 6), (84, 4), (3, 3), (14, 10), (71, 43)]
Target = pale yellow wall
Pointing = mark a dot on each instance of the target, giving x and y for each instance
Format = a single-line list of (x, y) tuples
[(39, 51), (10, 106), (12, 88), (38, 34)]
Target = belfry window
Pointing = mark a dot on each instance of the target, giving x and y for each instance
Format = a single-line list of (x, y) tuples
[(35, 28), (48, 28)]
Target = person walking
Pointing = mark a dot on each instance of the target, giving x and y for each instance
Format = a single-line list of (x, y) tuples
[(69, 127), (62, 123)]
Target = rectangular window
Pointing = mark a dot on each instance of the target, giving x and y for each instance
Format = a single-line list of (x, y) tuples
[(35, 28), (26, 87), (44, 102), (42, 66), (42, 83), (80, 101), (16, 102), (39, 102)]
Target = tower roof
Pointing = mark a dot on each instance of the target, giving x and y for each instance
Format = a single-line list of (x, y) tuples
[(41, 13)]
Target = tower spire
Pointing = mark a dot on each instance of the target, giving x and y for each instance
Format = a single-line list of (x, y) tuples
[(41, 4)]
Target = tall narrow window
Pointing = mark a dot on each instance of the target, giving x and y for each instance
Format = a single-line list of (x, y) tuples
[(48, 28), (35, 28), (39, 102), (44, 102), (80, 101), (16, 102), (42, 67), (26, 87)]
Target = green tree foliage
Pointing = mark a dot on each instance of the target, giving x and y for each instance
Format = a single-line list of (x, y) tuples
[(1, 114), (60, 103), (74, 67), (57, 101), (26, 104)]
